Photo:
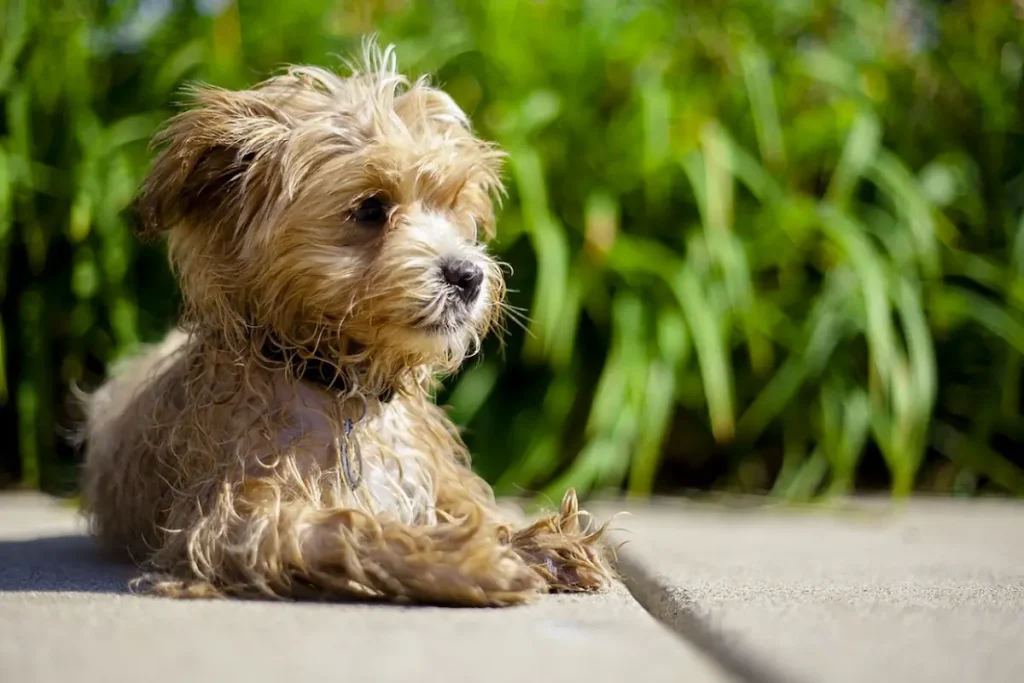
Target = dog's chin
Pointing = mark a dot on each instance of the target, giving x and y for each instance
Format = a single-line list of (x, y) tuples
[(439, 339)]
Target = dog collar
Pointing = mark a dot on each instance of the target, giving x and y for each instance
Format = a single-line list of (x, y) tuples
[(318, 371)]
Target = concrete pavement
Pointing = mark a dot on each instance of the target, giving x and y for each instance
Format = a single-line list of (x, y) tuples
[(930, 592), (64, 617)]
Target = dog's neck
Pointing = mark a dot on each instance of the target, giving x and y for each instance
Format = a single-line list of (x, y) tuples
[(317, 370), (356, 375)]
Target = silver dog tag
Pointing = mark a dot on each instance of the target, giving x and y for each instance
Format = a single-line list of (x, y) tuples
[(351, 457)]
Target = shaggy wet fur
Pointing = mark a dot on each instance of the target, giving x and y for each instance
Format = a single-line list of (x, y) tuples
[(308, 218)]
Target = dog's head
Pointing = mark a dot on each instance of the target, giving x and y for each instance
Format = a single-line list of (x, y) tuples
[(318, 209)]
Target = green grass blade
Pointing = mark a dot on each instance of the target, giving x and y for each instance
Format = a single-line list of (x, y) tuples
[(760, 91), (859, 151), (711, 352)]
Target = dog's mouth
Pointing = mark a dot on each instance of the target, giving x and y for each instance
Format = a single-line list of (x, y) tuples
[(446, 315), (439, 328)]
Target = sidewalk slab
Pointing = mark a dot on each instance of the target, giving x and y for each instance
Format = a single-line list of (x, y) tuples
[(930, 591), (64, 616)]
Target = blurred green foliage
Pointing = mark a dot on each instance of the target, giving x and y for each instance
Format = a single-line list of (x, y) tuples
[(762, 244)]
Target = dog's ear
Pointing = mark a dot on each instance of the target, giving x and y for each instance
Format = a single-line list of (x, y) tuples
[(212, 152)]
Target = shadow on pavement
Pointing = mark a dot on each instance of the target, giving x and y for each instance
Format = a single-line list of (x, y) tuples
[(60, 563), (73, 563)]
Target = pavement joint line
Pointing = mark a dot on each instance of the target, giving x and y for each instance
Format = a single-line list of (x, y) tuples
[(680, 613)]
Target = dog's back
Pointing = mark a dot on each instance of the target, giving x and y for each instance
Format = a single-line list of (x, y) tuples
[(121, 514)]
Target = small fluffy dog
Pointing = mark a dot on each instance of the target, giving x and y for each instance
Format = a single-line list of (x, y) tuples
[(327, 234)]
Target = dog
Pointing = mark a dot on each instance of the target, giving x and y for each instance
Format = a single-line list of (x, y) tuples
[(328, 234)]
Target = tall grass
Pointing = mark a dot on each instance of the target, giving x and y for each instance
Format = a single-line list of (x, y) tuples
[(762, 245)]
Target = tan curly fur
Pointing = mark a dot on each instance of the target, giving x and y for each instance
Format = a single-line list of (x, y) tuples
[(213, 463)]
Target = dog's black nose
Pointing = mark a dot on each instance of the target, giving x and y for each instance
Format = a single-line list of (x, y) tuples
[(465, 277)]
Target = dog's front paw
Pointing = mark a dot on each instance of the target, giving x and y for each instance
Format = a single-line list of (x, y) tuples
[(571, 556)]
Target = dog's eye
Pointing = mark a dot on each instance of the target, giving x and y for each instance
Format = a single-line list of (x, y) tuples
[(372, 211)]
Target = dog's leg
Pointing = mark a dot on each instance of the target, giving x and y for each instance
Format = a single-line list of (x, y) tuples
[(276, 548), (570, 555)]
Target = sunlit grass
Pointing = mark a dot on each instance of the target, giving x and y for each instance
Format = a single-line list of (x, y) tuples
[(791, 232)]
